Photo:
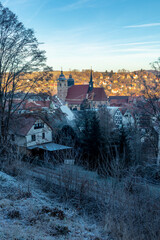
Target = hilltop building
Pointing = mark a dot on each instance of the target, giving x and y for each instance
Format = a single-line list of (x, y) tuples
[(80, 96), (62, 87)]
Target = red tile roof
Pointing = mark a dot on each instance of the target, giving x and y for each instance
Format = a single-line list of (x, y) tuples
[(118, 100), (99, 94), (36, 104), (22, 125), (76, 94), (30, 104)]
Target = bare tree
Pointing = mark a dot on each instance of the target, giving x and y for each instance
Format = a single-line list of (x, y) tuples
[(150, 106), (19, 55)]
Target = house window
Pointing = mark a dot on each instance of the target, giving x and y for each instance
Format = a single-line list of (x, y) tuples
[(43, 135), (38, 125), (33, 138)]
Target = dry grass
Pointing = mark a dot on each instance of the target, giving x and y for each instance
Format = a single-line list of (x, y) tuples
[(128, 209), (133, 212), (131, 206)]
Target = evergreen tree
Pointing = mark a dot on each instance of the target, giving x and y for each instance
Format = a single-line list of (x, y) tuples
[(91, 140), (125, 153)]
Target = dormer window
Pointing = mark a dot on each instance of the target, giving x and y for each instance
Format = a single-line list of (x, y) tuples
[(39, 125)]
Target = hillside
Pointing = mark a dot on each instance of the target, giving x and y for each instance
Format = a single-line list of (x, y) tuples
[(115, 84), (27, 212), (69, 203)]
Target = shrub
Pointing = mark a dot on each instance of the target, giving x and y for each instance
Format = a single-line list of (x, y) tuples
[(133, 213), (14, 214), (55, 212), (23, 194), (62, 230)]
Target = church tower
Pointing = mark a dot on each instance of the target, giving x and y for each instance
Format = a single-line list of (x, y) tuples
[(70, 81), (62, 86), (90, 82)]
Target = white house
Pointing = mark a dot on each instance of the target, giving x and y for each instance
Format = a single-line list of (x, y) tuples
[(116, 115), (121, 117), (29, 130), (128, 119)]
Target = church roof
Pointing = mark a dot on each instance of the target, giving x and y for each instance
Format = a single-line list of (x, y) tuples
[(78, 93), (99, 94), (61, 76)]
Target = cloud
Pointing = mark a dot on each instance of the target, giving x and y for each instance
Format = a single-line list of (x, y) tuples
[(75, 5), (143, 25), (98, 50), (11, 3), (37, 11), (101, 55), (137, 43), (135, 50)]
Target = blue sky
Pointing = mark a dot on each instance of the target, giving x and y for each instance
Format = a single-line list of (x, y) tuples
[(78, 34)]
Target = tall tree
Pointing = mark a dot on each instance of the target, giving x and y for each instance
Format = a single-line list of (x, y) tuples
[(150, 106), (91, 139), (19, 54)]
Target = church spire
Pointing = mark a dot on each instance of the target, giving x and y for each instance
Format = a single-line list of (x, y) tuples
[(61, 71), (70, 80), (61, 76), (91, 82)]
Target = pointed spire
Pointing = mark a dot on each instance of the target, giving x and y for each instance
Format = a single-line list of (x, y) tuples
[(61, 76), (91, 82), (91, 77), (70, 75)]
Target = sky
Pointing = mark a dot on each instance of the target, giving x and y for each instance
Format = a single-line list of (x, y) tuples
[(105, 34)]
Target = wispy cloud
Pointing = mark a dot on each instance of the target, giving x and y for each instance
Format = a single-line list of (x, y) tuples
[(135, 50), (97, 50), (8, 3), (75, 5), (38, 9), (143, 25), (137, 43)]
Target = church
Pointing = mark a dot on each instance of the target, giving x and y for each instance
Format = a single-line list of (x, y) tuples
[(79, 97)]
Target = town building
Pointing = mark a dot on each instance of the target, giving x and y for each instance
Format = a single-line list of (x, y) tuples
[(80, 97), (33, 134), (116, 116), (121, 117), (118, 100), (29, 130)]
